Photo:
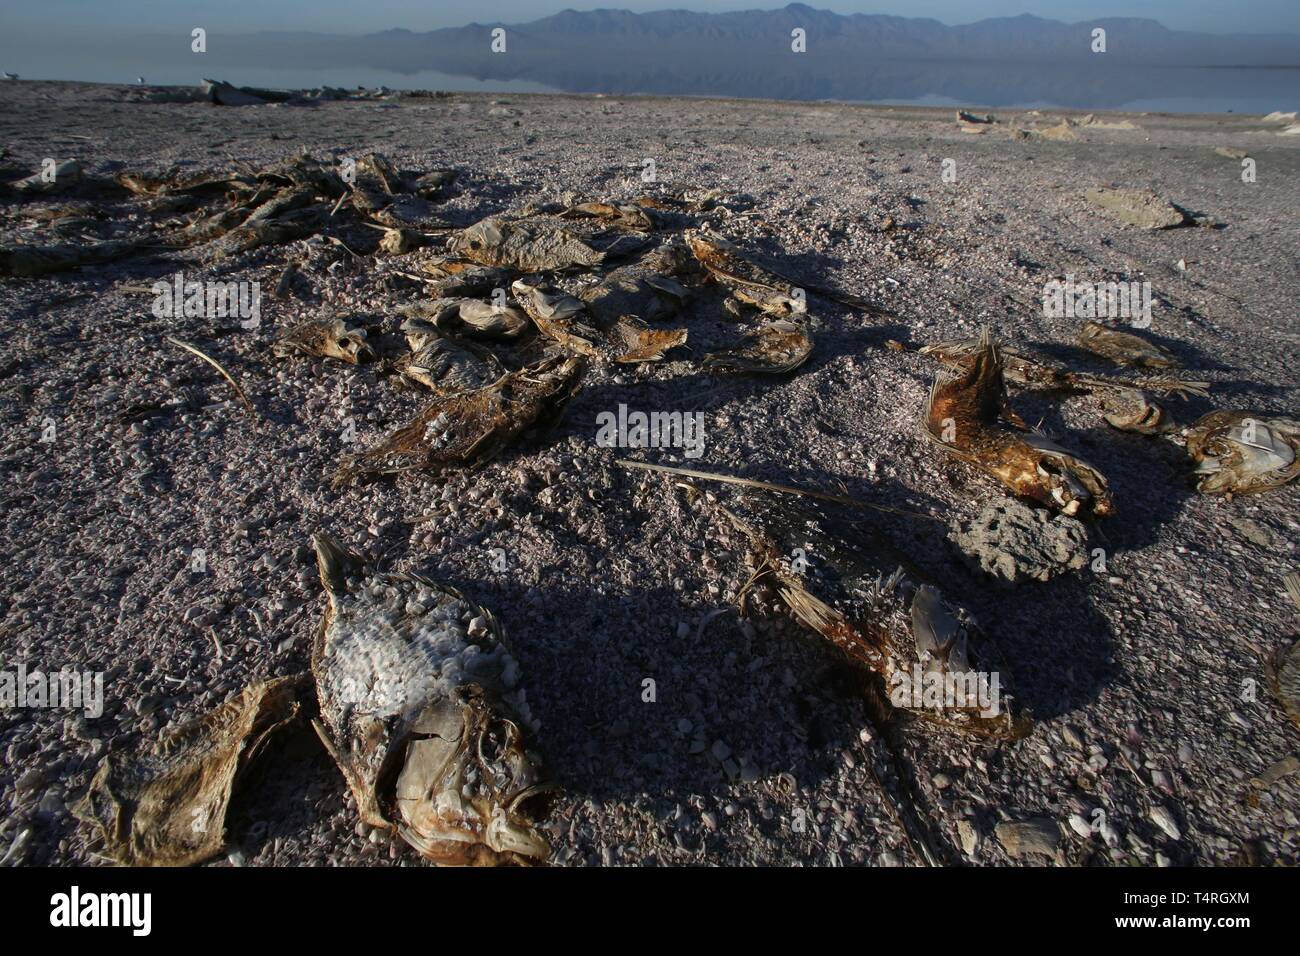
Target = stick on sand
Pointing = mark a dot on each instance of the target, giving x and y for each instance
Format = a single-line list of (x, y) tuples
[(768, 486), (217, 365)]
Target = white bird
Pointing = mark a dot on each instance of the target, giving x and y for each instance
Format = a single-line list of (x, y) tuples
[(140, 80)]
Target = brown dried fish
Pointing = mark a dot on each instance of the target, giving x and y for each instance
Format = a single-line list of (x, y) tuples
[(640, 343), (43, 260), (325, 338), (840, 576), (751, 283), (167, 806), (421, 710), (527, 246), (460, 277), (1131, 410), (634, 291), (1038, 371), (463, 316), (559, 316), (779, 346), (469, 428), (1244, 453), (1124, 348), (622, 215), (443, 365), (271, 232), (757, 285), (963, 416)]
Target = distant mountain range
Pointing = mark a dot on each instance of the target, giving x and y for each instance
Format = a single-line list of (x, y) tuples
[(748, 53)]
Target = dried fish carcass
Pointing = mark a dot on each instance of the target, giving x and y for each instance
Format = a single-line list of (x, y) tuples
[(421, 708), (468, 428), (472, 317), (839, 576), (166, 806), (963, 415), (776, 347), (1124, 348), (1284, 667), (325, 338), (443, 365), (541, 245), (1244, 452), (749, 282)]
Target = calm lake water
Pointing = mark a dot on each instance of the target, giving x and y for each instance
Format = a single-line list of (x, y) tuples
[(1006, 86)]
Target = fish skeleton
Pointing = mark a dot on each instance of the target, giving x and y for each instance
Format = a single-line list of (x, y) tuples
[(839, 576)]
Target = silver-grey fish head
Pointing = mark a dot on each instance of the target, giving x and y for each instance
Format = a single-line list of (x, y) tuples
[(479, 241)]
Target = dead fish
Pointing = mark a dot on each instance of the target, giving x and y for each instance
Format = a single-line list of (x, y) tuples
[(325, 338), (305, 170), (62, 176), (171, 185), (962, 415), (640, 343), (1037, 371), (1244, 453), (559, 316), (398, 242), (529, 247), (1131, 410), (421, 708), (466, 429), (1284, 667), (840, 576), (748, 281), (167, 805), (538, 245), (271, 232), (758, 286), (672, 258), (622, 215), (30, 260), (444, 366), (1124, 348), (460, 277), (777, 347), (634, 291), (464, 316)]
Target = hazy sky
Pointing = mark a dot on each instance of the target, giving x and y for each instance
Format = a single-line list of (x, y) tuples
[(351, 16)]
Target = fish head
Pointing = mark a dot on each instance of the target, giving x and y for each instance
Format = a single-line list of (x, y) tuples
[(478, 239), (461, 792), (1065, 482), (1239, 453), (327, 339)]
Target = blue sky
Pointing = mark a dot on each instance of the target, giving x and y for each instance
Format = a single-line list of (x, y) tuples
[(350, 16)]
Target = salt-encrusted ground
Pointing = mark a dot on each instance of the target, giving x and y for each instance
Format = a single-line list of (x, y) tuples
[(1140, 677)]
